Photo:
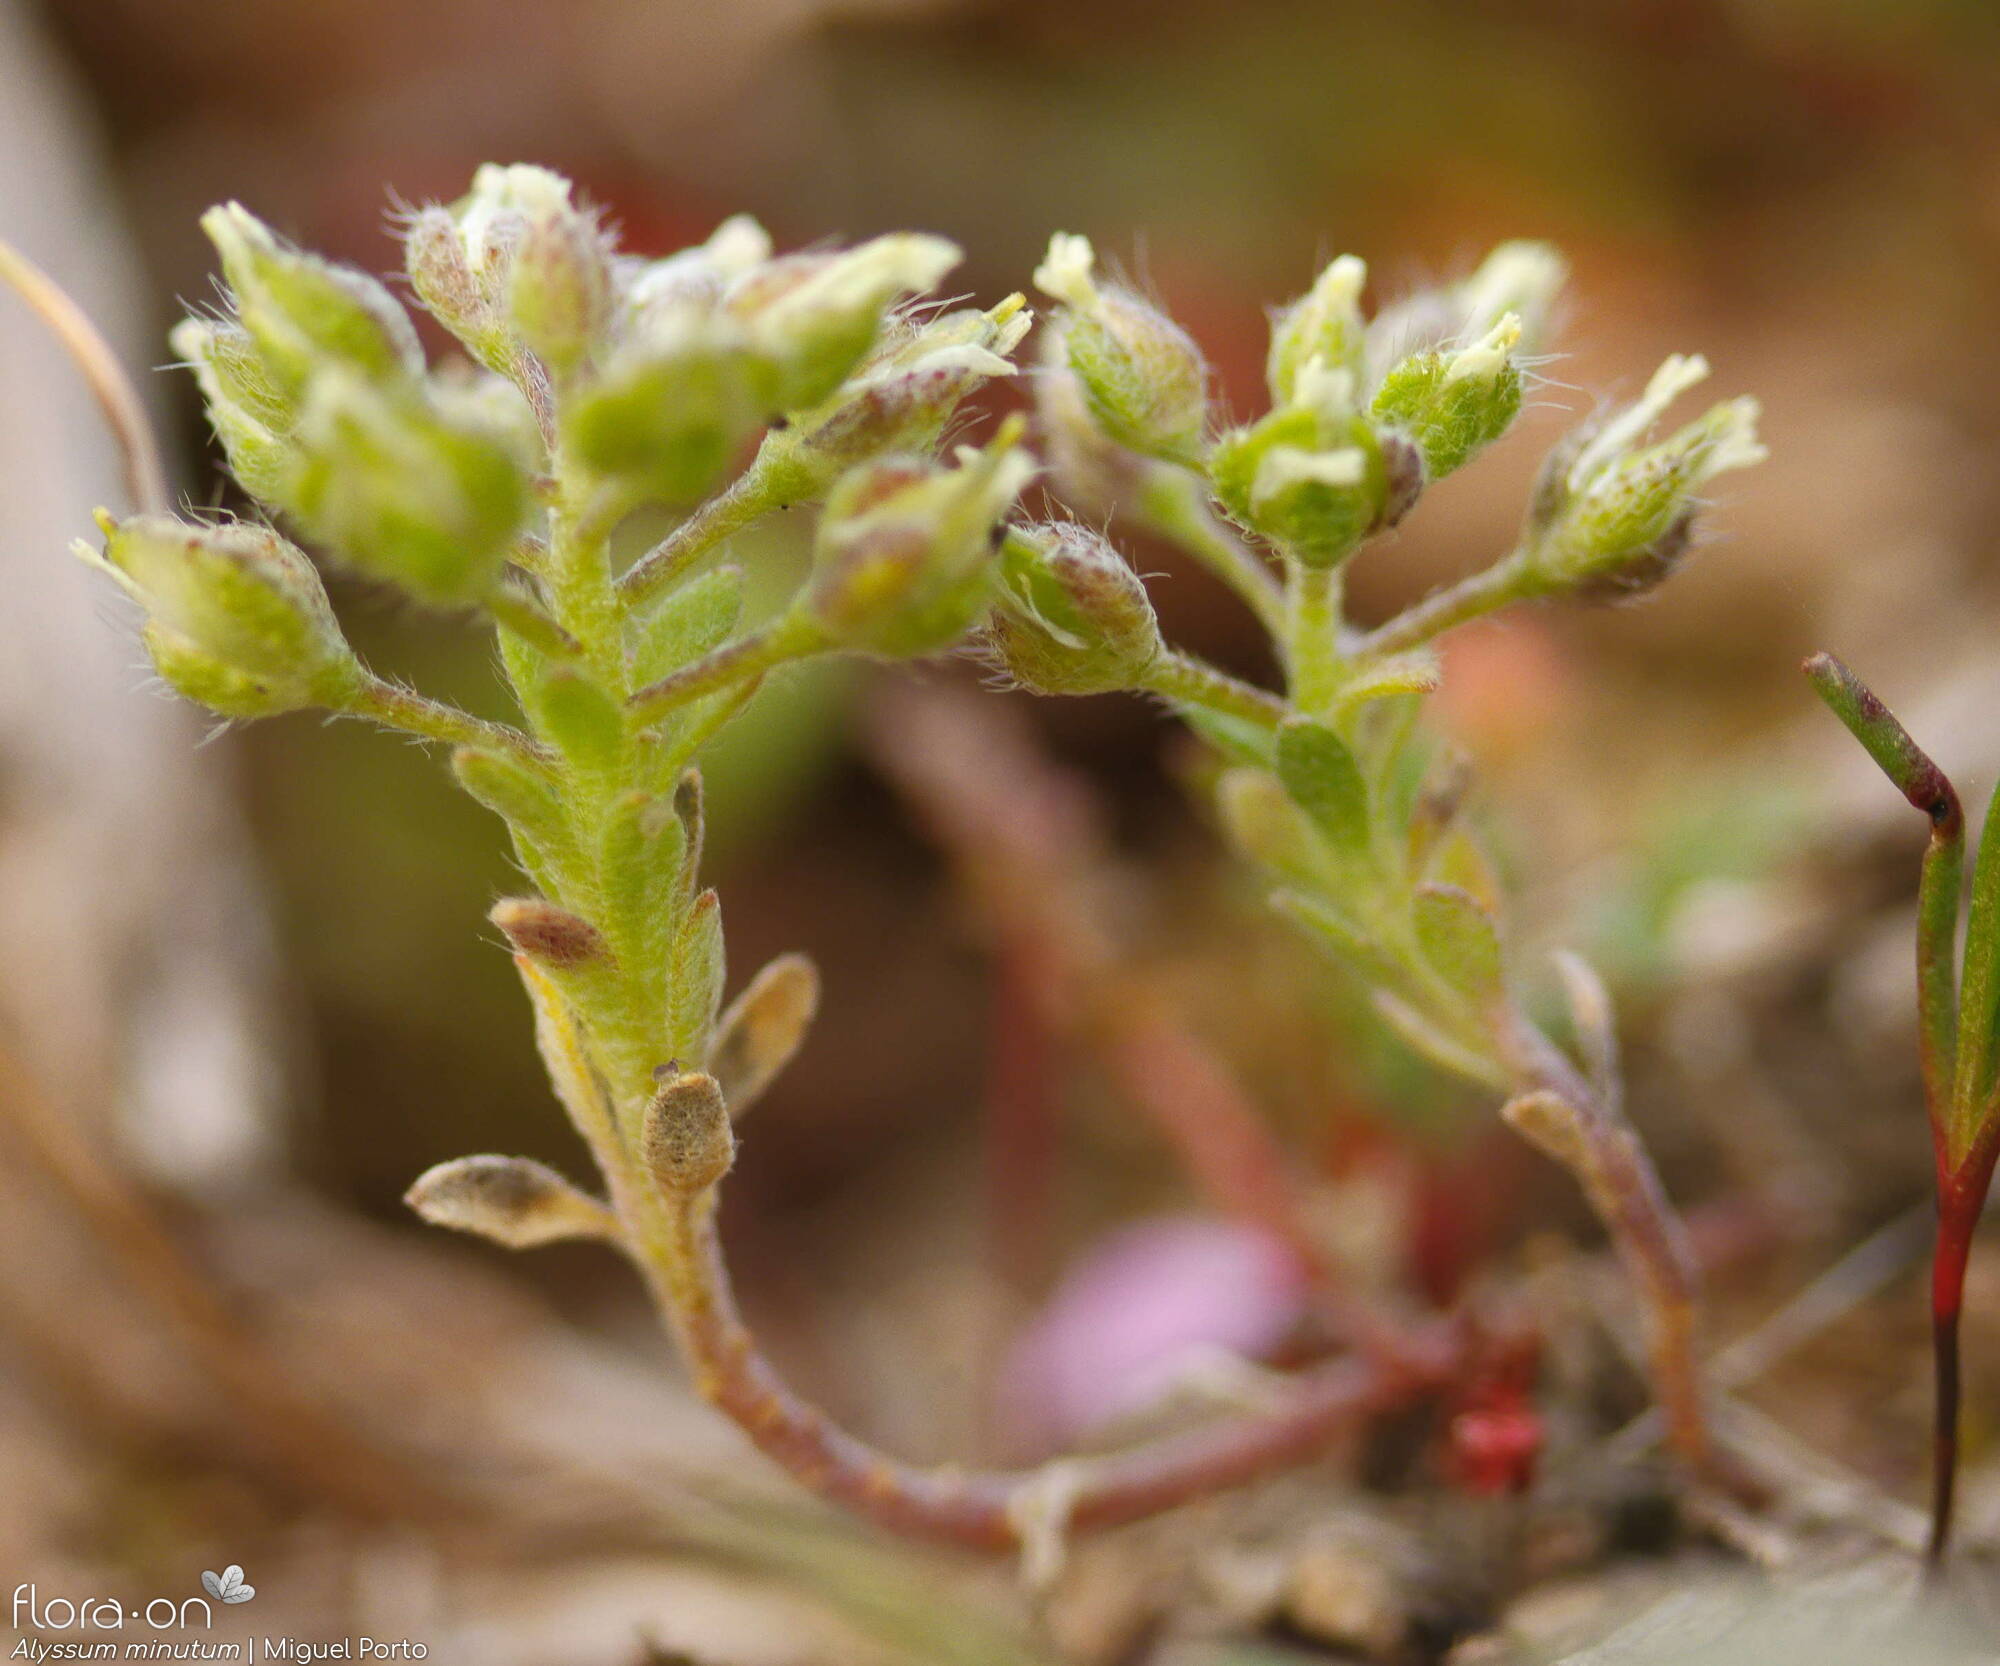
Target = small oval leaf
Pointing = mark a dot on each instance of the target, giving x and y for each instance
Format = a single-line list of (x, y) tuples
[(1322, 778), (1460, 941), (514, 1201), (686, 1137), (762, 1029)]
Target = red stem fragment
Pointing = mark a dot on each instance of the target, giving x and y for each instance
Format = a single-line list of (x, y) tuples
[(1961, 1200)]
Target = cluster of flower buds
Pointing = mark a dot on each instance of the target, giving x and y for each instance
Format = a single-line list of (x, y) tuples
[(1364, 413), (717, 342), (1071, 616), (649, 376), (1612, 516), (905, 557), (316, 388)]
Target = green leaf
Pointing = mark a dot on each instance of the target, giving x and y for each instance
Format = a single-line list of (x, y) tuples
[(1263, 823), (522, 797), (514, 1201), (1460, 941), (1415, 672), (1320, 774), (762, 1029), (1340, 932), (686, 624), (1888, 742), (695, 991), (583, 719), (1429, 1041), (689, 811), (1950, 1084), (1979, 1000), (640, 864)]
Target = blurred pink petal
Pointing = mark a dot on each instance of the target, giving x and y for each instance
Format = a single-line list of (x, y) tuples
[(1144, 1305)]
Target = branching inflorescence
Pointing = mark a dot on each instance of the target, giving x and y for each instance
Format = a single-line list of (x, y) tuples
[(597, 384)]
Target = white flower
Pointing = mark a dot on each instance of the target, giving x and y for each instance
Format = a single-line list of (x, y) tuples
[(1487, 357), (1630, 426), (1065, 271), (1286, 466)]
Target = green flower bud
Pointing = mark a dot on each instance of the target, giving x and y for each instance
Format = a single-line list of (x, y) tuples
[(909, 388), (1144, 378), (236, 616), (672, 408), (1071, 617), (904, 560), (1455, 403), (216, 685), (814, 316), (249, 414), (1312, 476), (402, 494), (560, 289), (465, 302), (1324, 324), (306, 314), (514, 265), (1612, 517)]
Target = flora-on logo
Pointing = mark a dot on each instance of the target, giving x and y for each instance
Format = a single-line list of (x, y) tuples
[(229, 1587)]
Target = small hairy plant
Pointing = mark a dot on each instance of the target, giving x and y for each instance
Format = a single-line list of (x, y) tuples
[(596, 383), (1958, 1015)]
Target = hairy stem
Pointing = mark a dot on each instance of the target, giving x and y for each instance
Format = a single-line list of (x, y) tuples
[(396, 707), (1182, 677), (1312, 633), (717, 520), (733, 663), (1471, 598), (991, 1509), (1173, 505)]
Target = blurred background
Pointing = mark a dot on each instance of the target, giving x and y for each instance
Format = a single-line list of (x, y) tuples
[(247, 991)]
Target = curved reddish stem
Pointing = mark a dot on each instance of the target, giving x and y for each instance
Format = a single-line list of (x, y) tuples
[(997, 1509)]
